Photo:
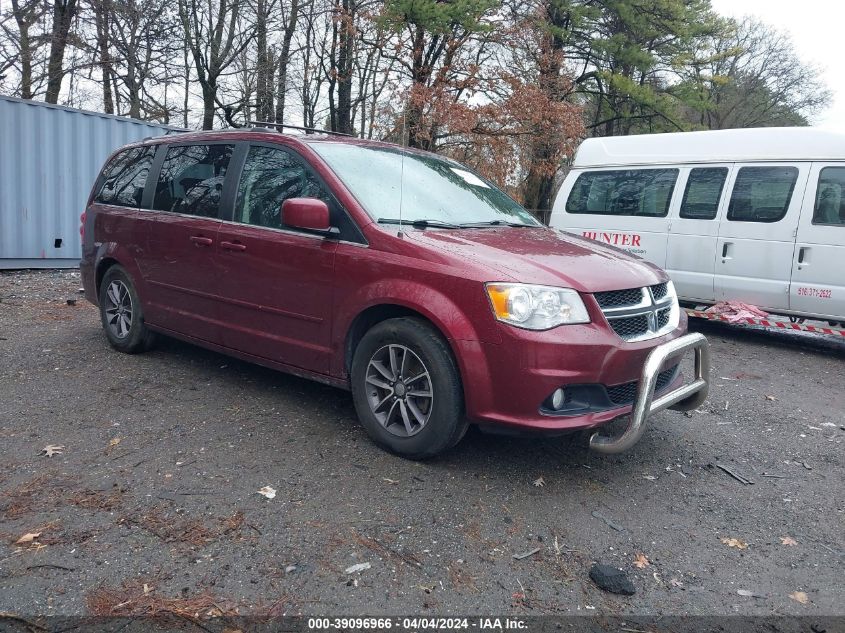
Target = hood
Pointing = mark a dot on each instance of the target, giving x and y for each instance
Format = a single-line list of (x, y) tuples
[(544, 256)]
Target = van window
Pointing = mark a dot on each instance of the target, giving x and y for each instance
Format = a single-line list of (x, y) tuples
[(702, 193), (830, 201), (191, 179), (641, 192), (762, 194), (125, 177), (271, 176)]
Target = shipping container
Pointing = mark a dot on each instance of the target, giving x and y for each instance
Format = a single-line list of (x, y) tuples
[(49, 158)]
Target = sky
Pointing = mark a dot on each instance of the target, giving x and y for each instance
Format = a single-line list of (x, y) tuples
[(815, 27)]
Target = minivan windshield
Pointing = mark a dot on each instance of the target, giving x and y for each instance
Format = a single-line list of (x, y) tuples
[(433, 192)]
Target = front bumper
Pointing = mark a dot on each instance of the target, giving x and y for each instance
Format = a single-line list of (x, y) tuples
[(506, 384), (685, 398)]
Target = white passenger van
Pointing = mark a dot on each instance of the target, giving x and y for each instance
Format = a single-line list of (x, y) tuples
[(753, 215)]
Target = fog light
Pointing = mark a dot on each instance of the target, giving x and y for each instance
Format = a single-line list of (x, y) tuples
[(558, 399)]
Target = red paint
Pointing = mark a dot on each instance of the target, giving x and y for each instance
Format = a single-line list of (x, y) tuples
[(289, 300)]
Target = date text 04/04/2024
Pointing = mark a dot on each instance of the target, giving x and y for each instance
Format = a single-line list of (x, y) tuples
[(416, 623)]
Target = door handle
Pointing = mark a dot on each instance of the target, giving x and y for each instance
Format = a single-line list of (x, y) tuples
[(199, 240), (725, 249), (233, 246), (802, 252)]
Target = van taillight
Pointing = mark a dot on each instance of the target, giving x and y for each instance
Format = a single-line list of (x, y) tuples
[(82, 225)]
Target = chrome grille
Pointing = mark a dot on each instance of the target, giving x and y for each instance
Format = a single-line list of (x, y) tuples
[(637, 314), (616, 298), (630, 327), (623, 394)]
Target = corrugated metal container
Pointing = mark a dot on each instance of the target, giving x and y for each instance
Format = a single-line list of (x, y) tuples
[(49, 158)]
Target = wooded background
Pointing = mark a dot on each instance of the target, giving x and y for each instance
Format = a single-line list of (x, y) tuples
[(508, 87)]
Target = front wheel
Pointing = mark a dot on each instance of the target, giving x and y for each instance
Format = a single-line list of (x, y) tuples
[(407, 389), (121, 313)]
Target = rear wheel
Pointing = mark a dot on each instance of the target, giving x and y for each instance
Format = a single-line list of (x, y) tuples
[(121, 313), (407, 389)]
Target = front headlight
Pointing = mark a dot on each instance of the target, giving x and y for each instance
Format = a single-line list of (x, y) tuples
[(536, 307)]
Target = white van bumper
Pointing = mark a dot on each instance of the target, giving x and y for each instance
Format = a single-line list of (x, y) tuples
[(685, 398)]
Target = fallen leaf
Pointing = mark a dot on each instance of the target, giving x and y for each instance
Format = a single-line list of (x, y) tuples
[(357, 568), (114, 442), (392, 482), (735, 542), (788, 540), (539, 482), (29, 537), (640, 561), (147, 589), (800, 596), (268, 492), (51, 450)]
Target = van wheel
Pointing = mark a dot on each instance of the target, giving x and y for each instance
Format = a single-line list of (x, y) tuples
[(407, 389), (121, 313)]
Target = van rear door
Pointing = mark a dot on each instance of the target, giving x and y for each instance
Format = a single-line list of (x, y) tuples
[(757, 234), (623, 207), (818, 284), (694, 230)]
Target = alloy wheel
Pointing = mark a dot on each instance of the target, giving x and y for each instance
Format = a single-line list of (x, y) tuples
[(119, 309), (399, 390)]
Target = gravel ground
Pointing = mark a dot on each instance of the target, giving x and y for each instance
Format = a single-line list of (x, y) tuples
[(153, 505)]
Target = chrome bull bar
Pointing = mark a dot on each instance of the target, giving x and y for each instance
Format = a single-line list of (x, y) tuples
[(684, 398)]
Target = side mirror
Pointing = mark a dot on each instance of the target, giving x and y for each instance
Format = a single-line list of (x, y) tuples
[(306, 213)]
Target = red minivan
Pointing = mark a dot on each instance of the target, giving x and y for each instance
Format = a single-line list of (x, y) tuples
[(398, 274)]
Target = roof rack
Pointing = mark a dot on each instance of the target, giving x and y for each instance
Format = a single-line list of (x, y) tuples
[(307, 130)]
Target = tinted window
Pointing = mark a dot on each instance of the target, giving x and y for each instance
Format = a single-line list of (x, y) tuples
[(762, 194), (830, 201), (702, 193), (642, 192), (271, 176), (125, 176), (191, 179)]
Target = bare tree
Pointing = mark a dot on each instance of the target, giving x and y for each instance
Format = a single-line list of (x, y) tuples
[(289, 24), (26, 14), (64, 13), (216, 37), (751, 76)]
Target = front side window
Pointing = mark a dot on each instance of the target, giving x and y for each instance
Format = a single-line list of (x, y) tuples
[(830, 201), (702, 193), (191, 179), (637, 192), (391, 182), (271, 176), (125, 177), (762, 194)]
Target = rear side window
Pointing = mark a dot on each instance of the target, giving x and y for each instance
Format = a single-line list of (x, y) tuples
[(702, 193), (830, 197), (640, 192), (762, 194), (125, 177), (271, 176), (191, 179)]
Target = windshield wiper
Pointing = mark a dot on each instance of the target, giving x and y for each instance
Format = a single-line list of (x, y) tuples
[(500, 223), (420, 224)]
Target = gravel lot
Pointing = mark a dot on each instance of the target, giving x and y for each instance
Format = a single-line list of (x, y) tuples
[(153, 503)]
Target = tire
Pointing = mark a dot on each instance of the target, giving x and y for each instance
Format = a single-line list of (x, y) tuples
[(121, 313), (408, 422)]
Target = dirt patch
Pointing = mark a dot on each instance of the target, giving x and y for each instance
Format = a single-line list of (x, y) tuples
[(192, 532)]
